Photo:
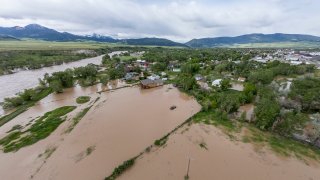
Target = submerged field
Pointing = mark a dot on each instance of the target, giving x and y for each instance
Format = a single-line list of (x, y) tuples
[(213, 155), (92, 142)]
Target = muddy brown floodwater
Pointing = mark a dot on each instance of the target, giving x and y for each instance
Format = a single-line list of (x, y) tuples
[(219, 158), (120, 125)]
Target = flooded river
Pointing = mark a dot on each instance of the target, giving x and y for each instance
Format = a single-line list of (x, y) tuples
[(13, 83)]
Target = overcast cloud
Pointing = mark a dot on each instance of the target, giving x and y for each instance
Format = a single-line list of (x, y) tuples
[(179, 20)]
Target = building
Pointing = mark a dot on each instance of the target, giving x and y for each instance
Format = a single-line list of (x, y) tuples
[(198, 77), (217, 82), (153, 77), (176, 70), (131, 76), (241, 79), (148, 83)]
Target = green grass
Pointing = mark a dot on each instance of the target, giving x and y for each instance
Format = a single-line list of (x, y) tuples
[(213, 118), (28, 44), (15, 127), (83, 99), (25, 107), (14, 114), (41, 129), (276, 45), (77, 119), (281, 145), (31, 44)]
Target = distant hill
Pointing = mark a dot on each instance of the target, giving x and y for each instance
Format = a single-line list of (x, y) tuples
[(152, 42), (35, 31), (7, 38), (251, 38)]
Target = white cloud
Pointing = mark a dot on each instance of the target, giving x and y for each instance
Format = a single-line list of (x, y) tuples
[(175, 19)]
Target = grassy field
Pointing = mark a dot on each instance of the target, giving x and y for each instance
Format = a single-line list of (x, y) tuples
[(298, 45), (49, 45), (30, 44)]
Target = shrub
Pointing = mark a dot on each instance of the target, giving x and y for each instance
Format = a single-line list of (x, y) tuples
[(83, 99)]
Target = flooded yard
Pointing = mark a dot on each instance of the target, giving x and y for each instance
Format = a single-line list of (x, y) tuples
[(121, 124), (214, 156)]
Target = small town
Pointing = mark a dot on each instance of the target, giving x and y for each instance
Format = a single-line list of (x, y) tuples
[(160, 90)]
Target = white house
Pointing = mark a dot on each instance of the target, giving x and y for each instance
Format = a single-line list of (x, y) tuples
[(198, 77), (176, 70), (217, 82), (153, 77), (241, 79)]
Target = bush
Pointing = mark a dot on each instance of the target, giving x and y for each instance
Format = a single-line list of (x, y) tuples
[(266, 111), (120, 169), (83, 99)]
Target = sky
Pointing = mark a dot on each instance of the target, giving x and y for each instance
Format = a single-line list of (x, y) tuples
[(178, 20)]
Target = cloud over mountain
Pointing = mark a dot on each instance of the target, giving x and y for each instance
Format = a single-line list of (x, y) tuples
[(174, 19)]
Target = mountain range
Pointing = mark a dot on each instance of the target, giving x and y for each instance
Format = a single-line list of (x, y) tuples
[(35, 31), (251, 38)]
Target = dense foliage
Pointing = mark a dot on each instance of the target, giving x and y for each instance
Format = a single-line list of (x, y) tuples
[(10, 60)]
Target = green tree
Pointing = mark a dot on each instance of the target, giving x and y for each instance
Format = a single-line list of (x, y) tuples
[(186, 82), (225, 84), (250, 90), (266, 111), (262, 76), (290, 123), (56, 86)]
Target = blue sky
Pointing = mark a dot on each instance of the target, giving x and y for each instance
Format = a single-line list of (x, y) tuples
[(179, 20)]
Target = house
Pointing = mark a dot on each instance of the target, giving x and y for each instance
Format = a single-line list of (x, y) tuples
[(176, 70), (198, 77), (131, 76), (241, 79), (148, 83), (142, 64), (203, 85), (174, 66), (217, 82), (153, 77)]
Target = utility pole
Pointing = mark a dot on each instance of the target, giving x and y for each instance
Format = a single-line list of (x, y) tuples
[(187, 176)]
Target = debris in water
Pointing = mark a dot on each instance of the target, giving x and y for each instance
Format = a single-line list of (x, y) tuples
[(173, 107)]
